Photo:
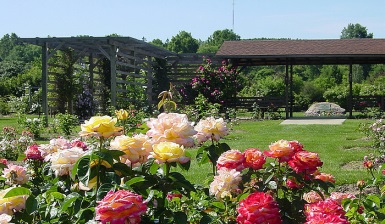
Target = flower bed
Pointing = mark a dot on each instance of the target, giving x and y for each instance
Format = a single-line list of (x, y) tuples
[(107, 176)]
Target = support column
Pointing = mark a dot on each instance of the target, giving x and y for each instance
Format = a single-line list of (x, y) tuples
[(44, 81), (350, 98), (91, 73), (291, 90), (113, 75), (287, 91)]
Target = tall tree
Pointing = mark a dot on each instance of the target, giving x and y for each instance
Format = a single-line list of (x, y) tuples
[(215, 41), (183, 43), (355, 31)]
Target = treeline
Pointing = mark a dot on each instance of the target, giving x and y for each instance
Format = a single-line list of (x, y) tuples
[(20, 66)]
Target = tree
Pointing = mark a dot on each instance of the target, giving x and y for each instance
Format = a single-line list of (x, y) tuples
[(355, 31), (158, 43), (183, 43), (215, 41)]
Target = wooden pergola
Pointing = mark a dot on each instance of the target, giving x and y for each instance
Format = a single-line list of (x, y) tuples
[(131, 63), (304, 52)]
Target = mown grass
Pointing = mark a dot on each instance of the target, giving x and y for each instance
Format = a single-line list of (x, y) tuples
[(337, 145)]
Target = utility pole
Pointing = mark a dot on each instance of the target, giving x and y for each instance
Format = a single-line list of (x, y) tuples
[(233, 15)]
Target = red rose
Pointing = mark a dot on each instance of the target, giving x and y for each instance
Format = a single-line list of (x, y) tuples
[(258, 207), (328, 209), (254, 158), (33, 152), (304, 161)]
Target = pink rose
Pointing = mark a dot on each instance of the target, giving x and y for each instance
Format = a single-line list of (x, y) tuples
[(258, 207), (118, 207), (232, 159), (33, 153)]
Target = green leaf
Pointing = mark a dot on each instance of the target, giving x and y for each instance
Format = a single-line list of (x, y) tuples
[(153, 168), (219, 204), (180, 218), (31, 205), (69, 200), (122, 168), (17, 191), (105, 155), (58, 195), (185, 166), (103, 190), (375, 200), (206, 219), (180, 180), (224, 147), (134, 181), (83, 169)]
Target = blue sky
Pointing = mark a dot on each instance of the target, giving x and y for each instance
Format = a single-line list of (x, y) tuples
[(302, 19)]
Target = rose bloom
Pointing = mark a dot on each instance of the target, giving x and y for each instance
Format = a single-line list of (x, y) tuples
[(100, 126), (5, 218), (339, 196), (33, 153), (232, 159), (325, 177), (296, 146), (168, 152), (304, 161), (11, 204), (210, 128), (225, 183), (260, 208), (136, 148), (121, 114), (15, 174), (326, 219), (254, 158), (118, 207), (171, 127), (80, 144), (4, 161), (171, 196), (292, 183), (323, 208), (63, 161), (281, 150), (312, 197)]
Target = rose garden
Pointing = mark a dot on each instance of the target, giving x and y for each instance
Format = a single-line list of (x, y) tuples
[(189, 160)]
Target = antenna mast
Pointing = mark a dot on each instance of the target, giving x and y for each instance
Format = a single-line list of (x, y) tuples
[(233, 15)]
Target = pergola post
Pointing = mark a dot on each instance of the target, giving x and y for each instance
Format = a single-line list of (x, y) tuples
[(44, 81), (287, 91), (291, 90), (113, 74), (350, 98)]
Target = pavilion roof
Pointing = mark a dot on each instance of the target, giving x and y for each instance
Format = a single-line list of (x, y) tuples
[(327, 51)]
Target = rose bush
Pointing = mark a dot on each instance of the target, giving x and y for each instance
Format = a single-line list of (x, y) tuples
[(108, 176)]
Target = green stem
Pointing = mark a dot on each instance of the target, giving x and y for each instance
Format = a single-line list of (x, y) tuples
[(101, 140)]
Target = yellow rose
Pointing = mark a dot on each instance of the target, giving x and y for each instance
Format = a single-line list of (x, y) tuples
[(121, 114), (136, 148), (100, 126), (168, 152), (11, 204)]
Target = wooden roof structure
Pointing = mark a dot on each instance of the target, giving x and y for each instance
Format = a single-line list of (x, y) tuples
[(304, 52)]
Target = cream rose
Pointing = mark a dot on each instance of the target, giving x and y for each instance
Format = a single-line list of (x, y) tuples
[(63, 161), (136, 148), (100, 126), (211, 128), (11, 204), (168, 152)]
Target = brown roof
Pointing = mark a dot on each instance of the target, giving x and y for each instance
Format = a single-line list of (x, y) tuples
[(329, 51)]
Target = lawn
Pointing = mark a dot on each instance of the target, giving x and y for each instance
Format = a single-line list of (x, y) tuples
[(341, 147)]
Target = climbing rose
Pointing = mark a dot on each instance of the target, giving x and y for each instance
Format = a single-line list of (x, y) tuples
[(168, 152), (33, 153), (118, 207), (232, 159), (281, 150), (210, 128), (11, 204), (258, 207), (15, 174), (171, 127), (254, 158), (100, 126), (225, 183), (305, 162)]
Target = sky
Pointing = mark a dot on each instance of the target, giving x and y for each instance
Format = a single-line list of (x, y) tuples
[(156, 19)]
